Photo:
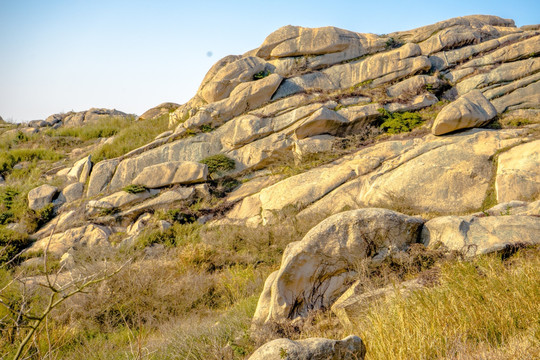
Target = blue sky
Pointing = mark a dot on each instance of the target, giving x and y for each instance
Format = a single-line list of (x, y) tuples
[(58, 56)]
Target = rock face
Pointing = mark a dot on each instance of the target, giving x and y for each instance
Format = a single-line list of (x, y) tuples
[(314, 271), (350, 348), (158, 111), (41, 196), (481, 235), (518, 173), (471, 110), (89, 116), (174, 172)]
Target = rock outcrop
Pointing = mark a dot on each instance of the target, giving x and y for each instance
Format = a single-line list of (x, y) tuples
[(314, 271), (350, 348)]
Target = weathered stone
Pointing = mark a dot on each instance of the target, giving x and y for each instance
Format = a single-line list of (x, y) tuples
[(73, 192), (470, 110), (246, 96), (451, 58), (518, 173), (526, 97), (355, 100), (80, 170), (230, 76), (413, 86), (513, 207), (191, 149), (41, 196), (502, 90), (245, 129), (85, 236), (474, 235), (278, 107), (315, 270), (295, 41), (416, 103), (473, 21), (101, 176), (453, 37), (354, 300), (160, 110), (502, 74), (512, 52), (90, 116), (251, 187), (313, 145), (350, 348), (322, 121), (258, 153), (116, 201), (170, 173), (166, 199)]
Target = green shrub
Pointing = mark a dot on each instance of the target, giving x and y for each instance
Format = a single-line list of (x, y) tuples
[(134, 189), (261, 75), (6, 162), (11, 243), (395, 123), (218, 163), (34, 219)]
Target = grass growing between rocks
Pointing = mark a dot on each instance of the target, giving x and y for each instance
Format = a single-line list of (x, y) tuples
[(129, 138), (485, 308)]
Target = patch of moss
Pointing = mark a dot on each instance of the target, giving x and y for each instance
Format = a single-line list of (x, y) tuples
[(134, 189), (218, 163)]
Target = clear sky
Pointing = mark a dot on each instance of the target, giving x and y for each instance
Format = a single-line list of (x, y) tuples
[(60, 55)]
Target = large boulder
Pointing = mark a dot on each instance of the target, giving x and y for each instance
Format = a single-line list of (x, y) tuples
[(80, 170), (314, 271), (525, 97), (518, 173), (41, 196), (90, 116), (101, 176), (73, 192), (173, 172), (350, 348), (470, 110), (481, 235), (291, 41), (230, 76)]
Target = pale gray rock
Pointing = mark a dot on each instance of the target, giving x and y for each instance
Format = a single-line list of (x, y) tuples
[(101, 176), (518, 173), (413, 86), (190, 149), (522, 98), (314, 271), (520, 50), (229, 76), (481, 235), (41, 196), (170, 173), (73, 192), (355, 100), (470, 110), (313, 145), (505, 73), (116, 201), (80, 170), (91, 115), (160, 110), (164, 200), (416, 103), (350, 348), (86, 236)]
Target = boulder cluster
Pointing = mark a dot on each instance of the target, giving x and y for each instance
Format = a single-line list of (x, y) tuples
[(302, 92)]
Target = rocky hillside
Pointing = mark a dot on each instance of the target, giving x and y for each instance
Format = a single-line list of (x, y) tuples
[(427, 136)]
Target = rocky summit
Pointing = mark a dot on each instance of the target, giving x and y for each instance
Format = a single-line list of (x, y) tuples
[(427, 138)]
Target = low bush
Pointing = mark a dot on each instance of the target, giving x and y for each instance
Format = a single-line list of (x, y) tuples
[(100, 129), (218, 163), (134, 189), (395, 123), (11, 243)]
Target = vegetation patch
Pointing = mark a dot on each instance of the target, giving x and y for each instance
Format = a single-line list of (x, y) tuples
[(134, 189), (261, 75), (395, 123), (11, 243), (218, 163), (100, 129)]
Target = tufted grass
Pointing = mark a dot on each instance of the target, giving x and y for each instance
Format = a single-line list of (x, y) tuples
[(136, 135), (485, 308)]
